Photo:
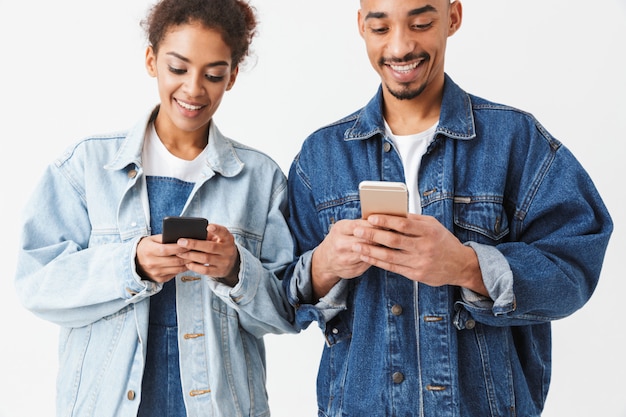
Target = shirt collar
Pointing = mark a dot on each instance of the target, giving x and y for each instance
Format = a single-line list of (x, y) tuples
[(221, 156), (456, 119)]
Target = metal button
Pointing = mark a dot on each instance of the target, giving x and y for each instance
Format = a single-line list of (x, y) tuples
[(470, 324), (396, 310), (387, 147), (132, 173), (335, 331), (189, 278), (131, 395), (397, 377), (193, 335)]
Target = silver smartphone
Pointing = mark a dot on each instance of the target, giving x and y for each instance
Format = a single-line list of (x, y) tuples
[(383, 197)]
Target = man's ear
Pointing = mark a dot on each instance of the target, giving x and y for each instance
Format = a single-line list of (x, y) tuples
[(456, 17), (361, 22)]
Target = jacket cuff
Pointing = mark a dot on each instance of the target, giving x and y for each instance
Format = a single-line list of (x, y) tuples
[(498, 279)]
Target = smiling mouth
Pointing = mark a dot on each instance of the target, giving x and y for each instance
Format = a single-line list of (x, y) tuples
[(405, 68), (188, 106)]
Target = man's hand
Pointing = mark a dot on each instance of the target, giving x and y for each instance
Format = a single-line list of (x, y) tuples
[(419, 248), (335, 258)]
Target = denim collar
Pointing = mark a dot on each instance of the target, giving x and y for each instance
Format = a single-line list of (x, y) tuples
[(221, 157), (456, 120)]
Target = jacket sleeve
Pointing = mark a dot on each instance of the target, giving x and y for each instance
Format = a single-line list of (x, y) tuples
[(259, 297), (550, 265), (59, 277), (308, 234)]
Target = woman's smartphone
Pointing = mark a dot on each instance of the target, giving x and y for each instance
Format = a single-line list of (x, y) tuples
[(175, 227), (383, 197)]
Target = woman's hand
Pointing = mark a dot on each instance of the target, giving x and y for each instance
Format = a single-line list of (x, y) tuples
[(217, 256), (159, 262)]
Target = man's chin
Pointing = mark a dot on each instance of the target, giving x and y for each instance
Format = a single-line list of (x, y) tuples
[(406, 92)]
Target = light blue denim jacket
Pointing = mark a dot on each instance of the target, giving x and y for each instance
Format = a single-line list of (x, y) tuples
[(503, 185), (76, 268)]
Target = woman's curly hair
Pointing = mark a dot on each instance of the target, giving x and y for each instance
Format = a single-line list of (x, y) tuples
[(234, 19)]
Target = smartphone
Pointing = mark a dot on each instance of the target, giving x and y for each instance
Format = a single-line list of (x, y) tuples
[(383, 197), (175, 227)]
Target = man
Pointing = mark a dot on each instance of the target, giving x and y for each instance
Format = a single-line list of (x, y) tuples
[(445, 312)]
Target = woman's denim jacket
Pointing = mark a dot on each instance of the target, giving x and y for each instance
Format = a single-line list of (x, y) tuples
[(77, 269), (503, 185)]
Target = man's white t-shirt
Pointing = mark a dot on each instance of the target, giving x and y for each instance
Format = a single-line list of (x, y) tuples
[(411, 149)]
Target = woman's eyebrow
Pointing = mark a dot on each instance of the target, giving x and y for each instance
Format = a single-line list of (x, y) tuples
[(184, 59)]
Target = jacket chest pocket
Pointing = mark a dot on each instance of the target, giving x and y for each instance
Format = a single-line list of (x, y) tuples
[(349, 208), (480, 221)]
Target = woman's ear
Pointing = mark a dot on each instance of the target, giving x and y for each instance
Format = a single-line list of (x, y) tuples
[(233, 78), (151, 61)]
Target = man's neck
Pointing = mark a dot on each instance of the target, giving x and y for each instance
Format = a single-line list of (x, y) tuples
[(407, 117)]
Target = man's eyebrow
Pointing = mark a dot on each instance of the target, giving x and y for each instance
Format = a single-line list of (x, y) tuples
[(184, 59), (426, 9), (421, 10)]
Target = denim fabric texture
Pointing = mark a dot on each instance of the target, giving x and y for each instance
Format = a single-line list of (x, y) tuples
[(162, 393), (76, 268), (504, 186)]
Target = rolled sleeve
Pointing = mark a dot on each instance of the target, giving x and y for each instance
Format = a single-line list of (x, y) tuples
[(301, 294), (498, 279)]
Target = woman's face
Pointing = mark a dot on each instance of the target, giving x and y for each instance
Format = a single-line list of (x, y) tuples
[(193, 68)]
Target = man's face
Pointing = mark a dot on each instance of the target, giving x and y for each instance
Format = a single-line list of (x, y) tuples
[(406, 42)]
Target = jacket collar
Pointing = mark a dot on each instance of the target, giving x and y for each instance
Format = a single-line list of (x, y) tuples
[(455, 121), (221, 158)]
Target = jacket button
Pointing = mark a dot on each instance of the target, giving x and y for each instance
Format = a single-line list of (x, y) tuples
[(397, 377), (131, 395), (470, 324), (387, 147), (396, 310), (132, 173)]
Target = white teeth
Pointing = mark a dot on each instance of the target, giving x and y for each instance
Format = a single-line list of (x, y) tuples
[(404, 68), (188, 106)]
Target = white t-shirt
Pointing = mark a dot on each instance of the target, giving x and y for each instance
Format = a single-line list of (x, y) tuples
[(158, 161), (411, 149)]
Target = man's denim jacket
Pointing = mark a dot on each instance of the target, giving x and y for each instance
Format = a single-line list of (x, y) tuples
[(77, 269), (503, 185)]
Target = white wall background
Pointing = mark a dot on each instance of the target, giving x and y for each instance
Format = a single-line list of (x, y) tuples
[(71, 68)]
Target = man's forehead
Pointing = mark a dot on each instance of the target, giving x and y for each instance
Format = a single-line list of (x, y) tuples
[(419, 3)]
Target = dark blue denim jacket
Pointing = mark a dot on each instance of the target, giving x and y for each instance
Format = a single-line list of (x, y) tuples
[(503, 185)]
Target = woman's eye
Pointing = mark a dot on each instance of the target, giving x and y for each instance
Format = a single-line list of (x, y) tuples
[(214, 78), (177, 71)]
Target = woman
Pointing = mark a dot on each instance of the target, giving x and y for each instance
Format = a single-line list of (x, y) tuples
[(148, 328)]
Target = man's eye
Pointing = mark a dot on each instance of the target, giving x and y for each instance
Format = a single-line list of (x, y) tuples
[(422, 26), (379, 29)]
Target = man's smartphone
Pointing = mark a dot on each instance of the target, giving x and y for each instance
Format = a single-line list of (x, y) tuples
[(175, 227), (383, 197)]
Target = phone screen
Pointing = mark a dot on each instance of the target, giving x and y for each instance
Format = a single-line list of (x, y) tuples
[(176, 227)]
